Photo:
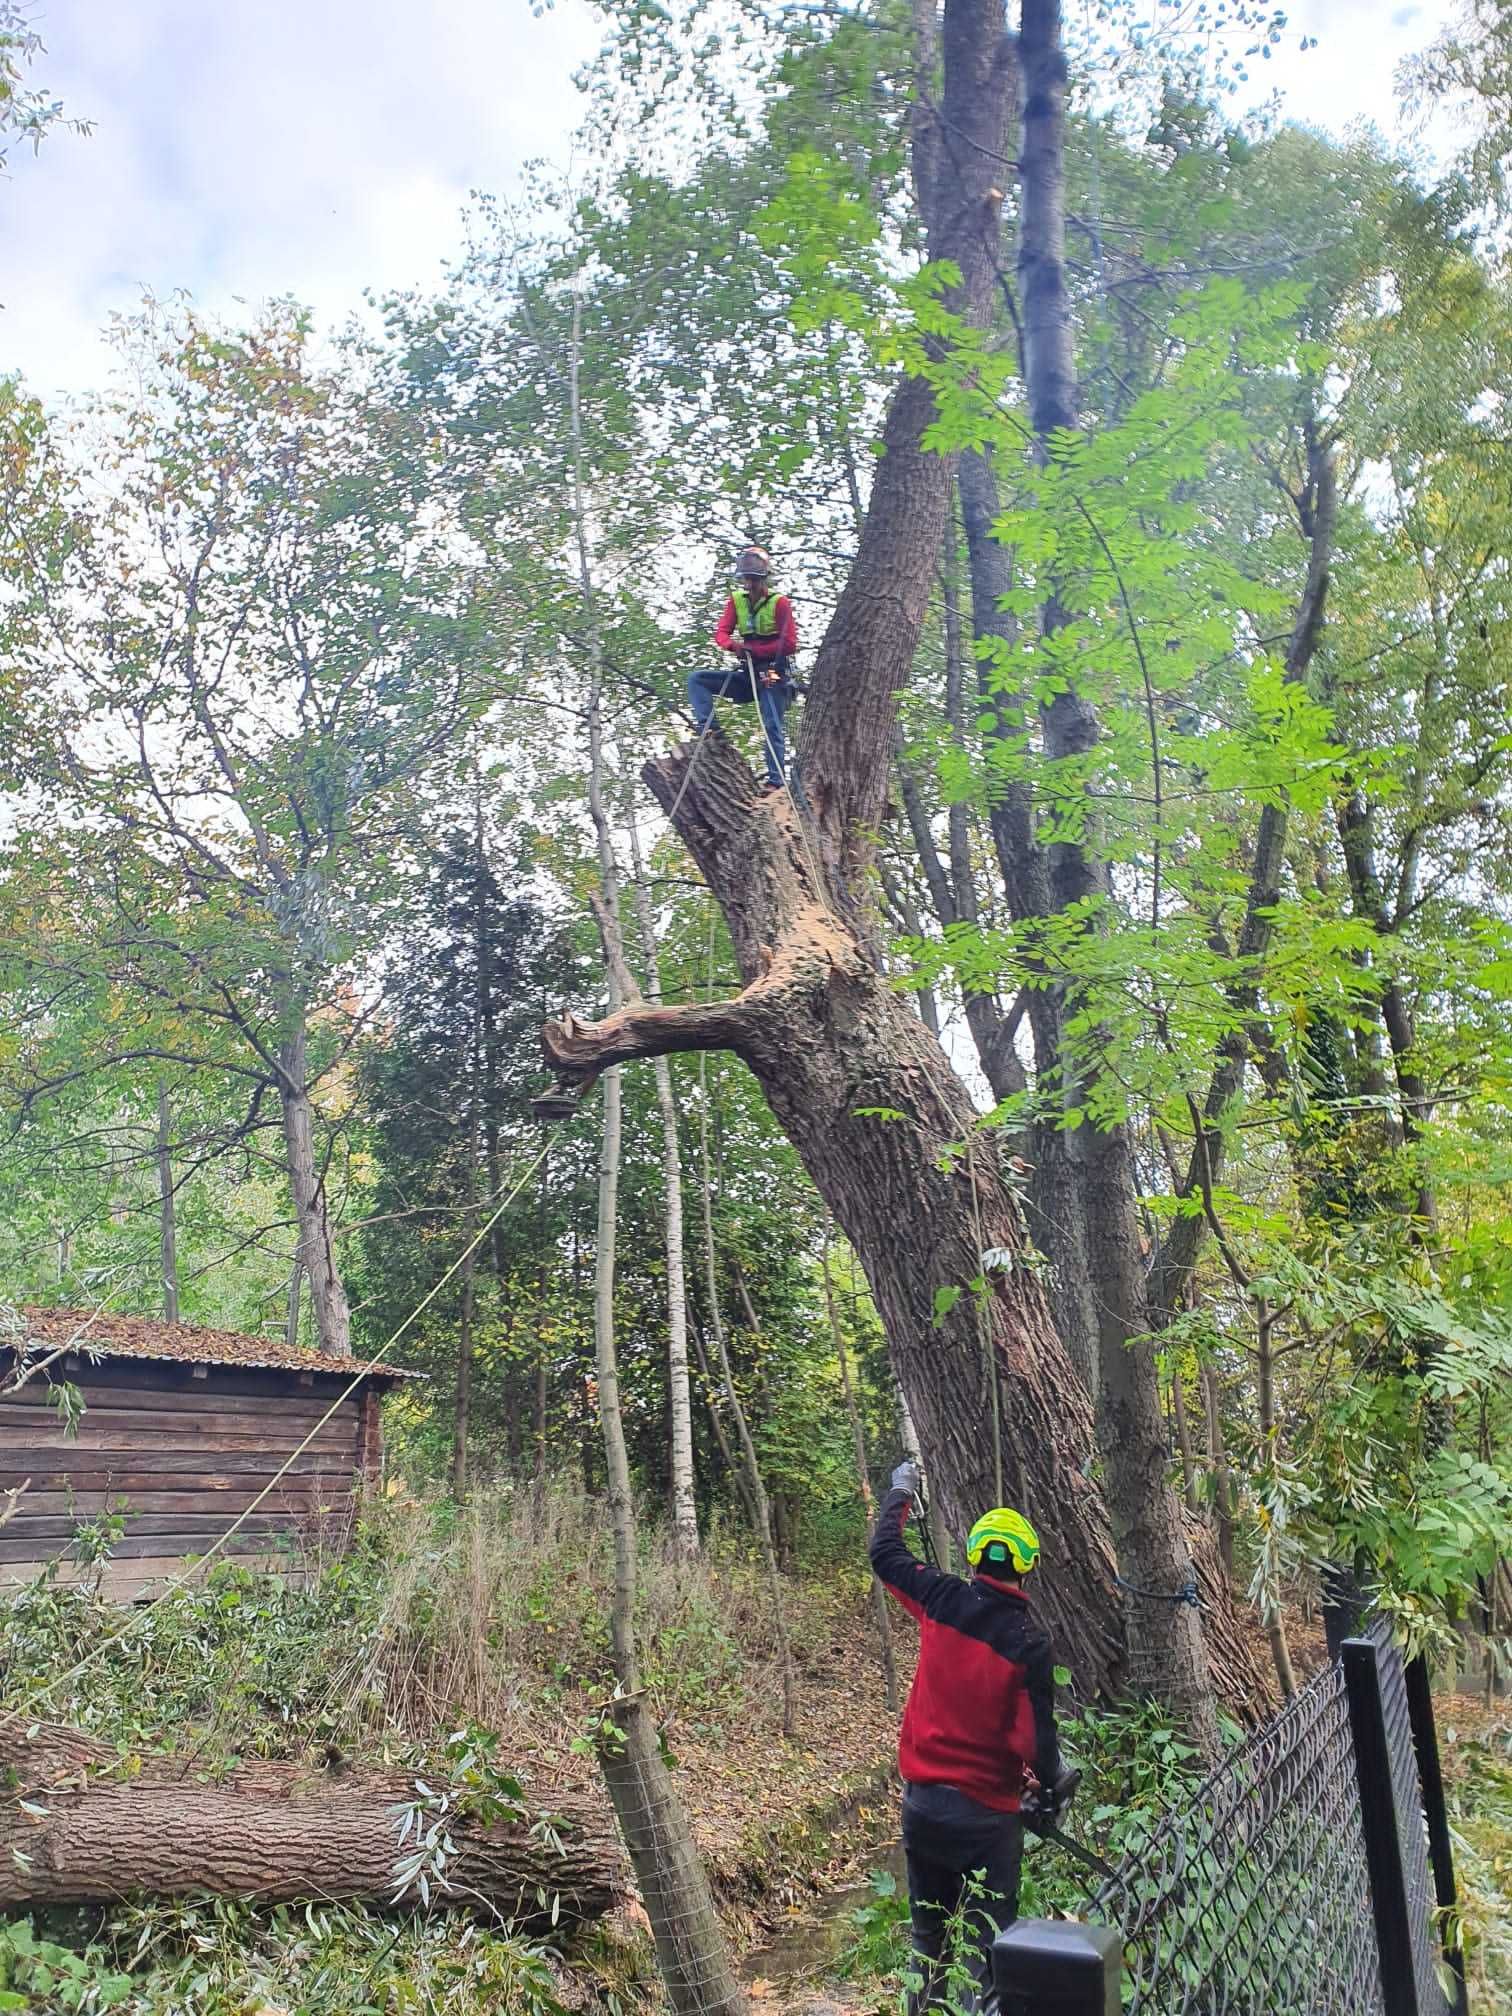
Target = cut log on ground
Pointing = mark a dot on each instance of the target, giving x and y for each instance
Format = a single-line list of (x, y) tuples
[(75, 1830)]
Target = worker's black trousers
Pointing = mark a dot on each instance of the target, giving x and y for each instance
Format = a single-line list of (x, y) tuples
[(963, 1883)]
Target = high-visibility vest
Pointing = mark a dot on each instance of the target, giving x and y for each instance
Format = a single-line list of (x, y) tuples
[(760, 621)]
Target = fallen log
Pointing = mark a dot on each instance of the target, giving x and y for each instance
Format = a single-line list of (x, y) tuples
[(77, 1826)]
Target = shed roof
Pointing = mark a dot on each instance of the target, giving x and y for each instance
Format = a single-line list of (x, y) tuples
[(110, 1336)]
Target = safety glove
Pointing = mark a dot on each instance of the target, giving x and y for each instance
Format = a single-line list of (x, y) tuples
[(907, 1477)]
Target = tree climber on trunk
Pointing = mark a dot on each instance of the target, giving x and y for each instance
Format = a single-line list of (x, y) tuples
[(981, 1709), (758, 630)]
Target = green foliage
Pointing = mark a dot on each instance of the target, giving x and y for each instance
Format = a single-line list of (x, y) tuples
[(36, 1973), (226, 1958)]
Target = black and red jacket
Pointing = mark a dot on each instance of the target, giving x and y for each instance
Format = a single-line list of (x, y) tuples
[(982, 1705)]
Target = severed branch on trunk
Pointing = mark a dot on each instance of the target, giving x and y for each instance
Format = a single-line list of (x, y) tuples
[(75, 1830)]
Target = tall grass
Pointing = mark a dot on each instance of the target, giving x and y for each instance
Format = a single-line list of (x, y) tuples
[(438, 1616)]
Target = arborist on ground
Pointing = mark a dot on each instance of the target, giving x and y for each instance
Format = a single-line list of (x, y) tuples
[(758, 631), (981, 1710)]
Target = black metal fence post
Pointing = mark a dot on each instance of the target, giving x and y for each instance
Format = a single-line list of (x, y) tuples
[(1436, 1811), (1383, 1840), (1044, 1967)]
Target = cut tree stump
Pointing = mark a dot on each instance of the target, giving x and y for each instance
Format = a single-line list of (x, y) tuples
[(76, 1829)]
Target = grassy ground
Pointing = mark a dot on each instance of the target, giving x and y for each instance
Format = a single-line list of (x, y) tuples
[(494, 1617), (440, 1620), (1476, 1745)]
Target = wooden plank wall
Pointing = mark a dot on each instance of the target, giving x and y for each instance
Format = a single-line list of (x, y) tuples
[(186, 1453)]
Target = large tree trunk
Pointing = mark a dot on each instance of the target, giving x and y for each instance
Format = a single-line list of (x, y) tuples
[(867, 1097), (1166, 1652), (274, 1832), (862, 1090), (315, 1253)]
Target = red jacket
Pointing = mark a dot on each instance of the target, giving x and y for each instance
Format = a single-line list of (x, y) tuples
[(782, 644), (982, 1704)]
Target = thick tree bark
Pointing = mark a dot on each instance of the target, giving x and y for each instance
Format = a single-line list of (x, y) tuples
[(837, 1051), (167, 1227), (315, 1254), (867, 653), (273, 1832), (863, 1480)]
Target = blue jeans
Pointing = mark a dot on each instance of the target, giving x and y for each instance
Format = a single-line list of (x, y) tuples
[(733, 682)]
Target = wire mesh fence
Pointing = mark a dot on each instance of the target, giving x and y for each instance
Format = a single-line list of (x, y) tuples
[(1407, 1799), (1255, 1896), (1297, 1882)]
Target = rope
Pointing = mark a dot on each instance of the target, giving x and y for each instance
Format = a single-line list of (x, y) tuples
[(984, 1327), (172, 1587), (1187, 1593)]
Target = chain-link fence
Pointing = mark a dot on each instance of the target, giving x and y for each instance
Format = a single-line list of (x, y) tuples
[(1297, 1882)]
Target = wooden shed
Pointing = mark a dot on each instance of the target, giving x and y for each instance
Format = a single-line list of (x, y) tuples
[(181, 1429)]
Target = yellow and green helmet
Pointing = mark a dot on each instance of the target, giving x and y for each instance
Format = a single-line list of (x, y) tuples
[(1003, 1538)]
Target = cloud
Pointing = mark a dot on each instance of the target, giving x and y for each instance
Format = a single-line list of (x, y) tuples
[(319, 147), (257, 147)]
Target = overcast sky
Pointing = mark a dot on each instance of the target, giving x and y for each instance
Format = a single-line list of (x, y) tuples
[(317, 147)]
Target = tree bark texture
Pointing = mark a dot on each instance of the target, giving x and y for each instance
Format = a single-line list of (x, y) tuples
[(315, 1254), (1167, 1655), (862, 1090), (277, 1833), (679, 1393), (692, 1954), (867, 652)]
